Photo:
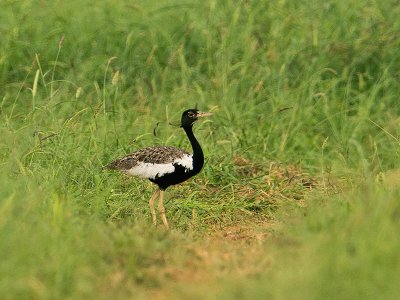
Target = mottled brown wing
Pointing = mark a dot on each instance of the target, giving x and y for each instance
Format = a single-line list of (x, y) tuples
[(153, 155)]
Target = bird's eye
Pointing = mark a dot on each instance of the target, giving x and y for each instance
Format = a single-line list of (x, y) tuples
[(190, 114)]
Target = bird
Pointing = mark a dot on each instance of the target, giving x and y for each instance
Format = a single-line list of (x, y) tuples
[(165, 165)]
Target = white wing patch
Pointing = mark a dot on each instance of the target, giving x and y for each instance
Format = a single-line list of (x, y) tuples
[(149, 170), (185, 161)]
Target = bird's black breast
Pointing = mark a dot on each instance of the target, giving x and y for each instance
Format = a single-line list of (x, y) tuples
[(180, 174)]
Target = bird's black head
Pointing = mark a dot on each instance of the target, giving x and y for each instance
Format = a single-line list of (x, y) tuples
[(192, 115)]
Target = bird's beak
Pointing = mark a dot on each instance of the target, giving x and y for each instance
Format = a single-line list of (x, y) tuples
[(202, 114)]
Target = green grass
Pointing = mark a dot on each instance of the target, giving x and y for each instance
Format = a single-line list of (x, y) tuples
[(304, 94)]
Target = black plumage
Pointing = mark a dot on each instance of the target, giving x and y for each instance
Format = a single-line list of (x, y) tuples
[(165, 165)]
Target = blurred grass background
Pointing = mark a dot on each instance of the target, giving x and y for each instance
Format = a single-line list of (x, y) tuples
[(302, 152)]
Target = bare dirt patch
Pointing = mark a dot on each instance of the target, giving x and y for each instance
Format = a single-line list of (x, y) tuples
[(231, 250), (233, 247)]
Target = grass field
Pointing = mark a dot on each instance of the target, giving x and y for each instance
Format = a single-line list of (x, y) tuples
[(300, 194)]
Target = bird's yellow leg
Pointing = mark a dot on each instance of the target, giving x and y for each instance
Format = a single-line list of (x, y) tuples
[(151, 203), (161, 209)]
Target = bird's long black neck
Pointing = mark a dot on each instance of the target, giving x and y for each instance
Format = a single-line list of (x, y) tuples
[(198, 156)]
